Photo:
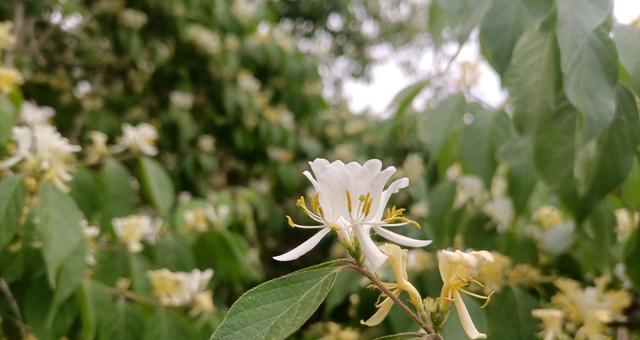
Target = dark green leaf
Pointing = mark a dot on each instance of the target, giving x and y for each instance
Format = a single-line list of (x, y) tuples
[(631, 256), (7, 118), (118, 198), (277, 308), (167, 325), (12, 195), (405, 97), (509, 315), (439, 123)]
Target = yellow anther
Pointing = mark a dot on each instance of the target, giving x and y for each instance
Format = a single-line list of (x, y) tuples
[(290, 221), (367, 205), (349, 204), (334, 227)]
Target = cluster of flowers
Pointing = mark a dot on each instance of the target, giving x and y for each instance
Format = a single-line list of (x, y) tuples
[(351, 200), (180, 289), (42, 153)]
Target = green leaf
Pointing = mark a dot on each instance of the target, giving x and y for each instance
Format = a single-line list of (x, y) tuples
[(57, 222), (125, 322), (554, 151), (227, 252), (522, 178), (92, 301), (69, 277), (277, 308), (464, 15), (616, 151), (117, 196), (596, 245), (405, 97), (501, 28), (589, 61), (12, 196), (84, 190), (157, 185), (7, 119), (532, 78), (627, 39), (439, 123), (509, 315), (167, 325)]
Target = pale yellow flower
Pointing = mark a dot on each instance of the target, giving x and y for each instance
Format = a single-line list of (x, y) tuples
[(98, 149), (182, 288), (458, 269), (7, 39), (132, 230), (552, 321), (626, 222), (202, 304), (548, 216), (493, 274), (397, 257), (9, 79)]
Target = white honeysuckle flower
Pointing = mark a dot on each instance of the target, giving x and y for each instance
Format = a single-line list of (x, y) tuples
[(469, 188), (42, 152), (351, 199), (91, 234), (9, 79), (139, 139), (33, 114), (181, 99), (501, 210), (180, 288), (205, 39), (132, 230), (132, 18), (457, 270)]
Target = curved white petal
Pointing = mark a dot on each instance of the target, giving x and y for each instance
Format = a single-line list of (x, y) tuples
[(465, 318), (375, 257), (304, 248), (394, 187), (400, 239), (383, 310)]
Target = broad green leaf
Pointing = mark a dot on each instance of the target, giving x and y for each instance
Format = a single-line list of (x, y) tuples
[(616, 150), (57, 222), (84, 190), (522, 178), (277, 308), (117, 196), (12, 196), (501, 28), (167, 325), (464, 15), (405, 97), (7, 118), (589, 61), (596, 241), (439, 123), (125, 322), (69, 278), (631, 256), (92, 301), (157, 185), (36, 309), (509, 315), (532, 78), (627, 39), (228, 253), (554, 151)]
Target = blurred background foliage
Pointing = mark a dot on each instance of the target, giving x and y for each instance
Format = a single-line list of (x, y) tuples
[(548, 179)]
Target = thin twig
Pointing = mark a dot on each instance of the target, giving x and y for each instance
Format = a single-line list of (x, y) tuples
[(376, 281), (4, 287), (132, 296)]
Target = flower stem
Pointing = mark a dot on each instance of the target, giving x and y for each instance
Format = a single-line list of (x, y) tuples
[(376, 281), (6, 291)]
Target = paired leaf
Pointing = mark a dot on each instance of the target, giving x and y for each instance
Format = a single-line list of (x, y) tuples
[(277, 308)]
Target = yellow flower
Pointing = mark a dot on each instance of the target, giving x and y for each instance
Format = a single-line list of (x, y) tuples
[(552, 321), (626, 222), (548, 216), (9, 78), (202, 304), (494, 273), (397, 257), (7, 39), (458, 270)]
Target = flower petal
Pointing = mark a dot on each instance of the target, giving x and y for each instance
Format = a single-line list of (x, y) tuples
[(400, 239), (303, 248), (380, 314), (371, 251), (465, 318)]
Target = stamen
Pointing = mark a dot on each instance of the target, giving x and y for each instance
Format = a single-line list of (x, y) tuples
[(349, 204), (290, 222)]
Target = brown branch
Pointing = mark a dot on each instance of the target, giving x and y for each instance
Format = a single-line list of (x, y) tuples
[(13, 304), (376, 281), (132, 296)]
